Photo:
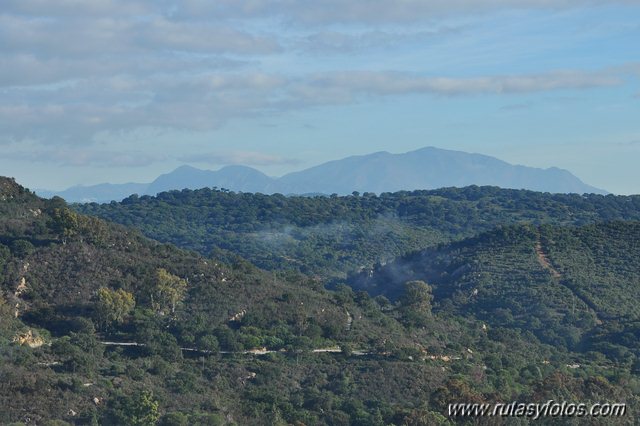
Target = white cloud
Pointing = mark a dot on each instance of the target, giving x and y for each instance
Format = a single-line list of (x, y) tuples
[(340, 87), (26, 69), (71, 69), (342, 42), (98, 37), (250, 158), (363, 11), (292, 11), (517, 107), (70, 8), (84, 157), (74, 113)]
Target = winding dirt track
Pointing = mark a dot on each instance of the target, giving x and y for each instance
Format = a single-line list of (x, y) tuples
[(546, 264), (544, 261)]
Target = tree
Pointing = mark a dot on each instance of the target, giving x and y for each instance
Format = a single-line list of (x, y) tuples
[(208, 342), (65, 222), (113, 306), (418, 296), (22, 248), (142, 410), (168, 291), (423, 417), (175, 419), (416, 303), (74, 358)]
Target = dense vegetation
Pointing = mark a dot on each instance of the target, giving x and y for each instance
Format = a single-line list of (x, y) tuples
[(75, 289), (333, 235), (566, 285)]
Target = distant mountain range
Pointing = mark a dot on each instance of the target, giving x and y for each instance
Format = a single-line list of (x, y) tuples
[(426, 168)]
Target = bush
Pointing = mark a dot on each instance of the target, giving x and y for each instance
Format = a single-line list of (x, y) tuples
[(22, 248), (174, 419)]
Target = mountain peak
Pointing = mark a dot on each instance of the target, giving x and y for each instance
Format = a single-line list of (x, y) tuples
[(233, 177), (424, 168), (237, 167), (185, 167), (240, 168)]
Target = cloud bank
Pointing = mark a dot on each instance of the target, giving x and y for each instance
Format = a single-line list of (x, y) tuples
[(72, 69)]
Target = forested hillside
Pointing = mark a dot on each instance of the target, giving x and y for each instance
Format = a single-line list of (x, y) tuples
[(333, 235), (572, 287), (100, 325)]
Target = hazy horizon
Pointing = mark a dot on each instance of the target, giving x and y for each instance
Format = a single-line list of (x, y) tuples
[(262, 169)]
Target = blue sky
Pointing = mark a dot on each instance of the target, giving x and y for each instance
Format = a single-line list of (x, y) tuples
[(117, 91)]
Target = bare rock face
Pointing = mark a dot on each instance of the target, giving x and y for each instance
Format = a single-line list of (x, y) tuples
[(28, 339), (22, 287)]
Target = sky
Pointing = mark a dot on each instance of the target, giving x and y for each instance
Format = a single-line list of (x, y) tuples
[(125, 90)]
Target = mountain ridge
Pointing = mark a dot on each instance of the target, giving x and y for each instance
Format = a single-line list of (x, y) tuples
[(425, 168)]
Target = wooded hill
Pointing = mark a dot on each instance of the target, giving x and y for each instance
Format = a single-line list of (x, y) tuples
[(330, 236), (101, 325), (571, 287)]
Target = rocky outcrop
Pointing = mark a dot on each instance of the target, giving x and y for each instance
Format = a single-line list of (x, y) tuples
[(28, 338)]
